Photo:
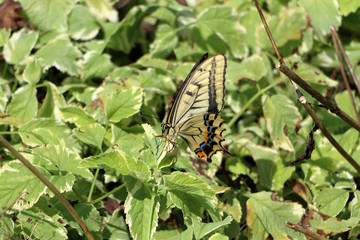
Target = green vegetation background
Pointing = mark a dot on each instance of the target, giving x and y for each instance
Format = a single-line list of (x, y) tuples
[(75, 80)]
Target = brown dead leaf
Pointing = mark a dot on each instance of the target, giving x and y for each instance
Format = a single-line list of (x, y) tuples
[(10, 15)]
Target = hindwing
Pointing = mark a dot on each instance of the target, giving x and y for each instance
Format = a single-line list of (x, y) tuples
[(203, 134)]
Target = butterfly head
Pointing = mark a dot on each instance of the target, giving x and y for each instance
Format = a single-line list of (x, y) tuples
[(170, 138)]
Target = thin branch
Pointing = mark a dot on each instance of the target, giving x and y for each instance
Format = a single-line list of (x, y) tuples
[(328, 104), (326, 133), (305, 231), (47, 183), (332, 106), (268, 32), (12, 204), (346, 81), (346, 59)]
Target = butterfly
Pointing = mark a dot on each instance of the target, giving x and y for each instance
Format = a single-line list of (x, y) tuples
[(194, 115)]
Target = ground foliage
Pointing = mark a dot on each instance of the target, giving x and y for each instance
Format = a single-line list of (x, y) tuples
[(86, 84)]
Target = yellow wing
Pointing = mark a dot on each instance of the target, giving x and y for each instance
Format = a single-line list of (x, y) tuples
[(203, 134), (194, 115), (203, 90)]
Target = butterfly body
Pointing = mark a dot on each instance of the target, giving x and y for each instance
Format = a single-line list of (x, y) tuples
[(194, 115)]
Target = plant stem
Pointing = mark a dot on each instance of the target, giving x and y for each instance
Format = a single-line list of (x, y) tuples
[(108, 194), (93, 185), (258, 94), (47, 183)]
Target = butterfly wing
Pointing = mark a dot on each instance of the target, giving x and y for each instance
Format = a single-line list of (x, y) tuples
[(203, 134), (194, 115), (203, 90)]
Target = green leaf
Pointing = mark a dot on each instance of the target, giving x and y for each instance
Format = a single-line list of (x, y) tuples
[(309, 73), (210, 25), (265, 216), (330, 225), (120, 161), (92, 134), (16, 178), (32, 72), (285, 26), (65, 160), (270, 167), (127, 30), (4, 36), (76, 115), (141, 208), (20, 45), (96, 65), (165, 42), (82, 25), (331, 201), (7, 230), (102, 9), (191, 194), (231, 205), (47, 15), (343, 101), (52, 102), (323, 14), (348, 6), (116, 227), (281, 116), (252, 68), (88, 214), (39, 225), (123, 104), (47, 131), (60, 54), (24, 104), (203, 229), (173, 234)]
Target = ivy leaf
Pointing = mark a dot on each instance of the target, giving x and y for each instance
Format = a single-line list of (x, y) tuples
[(92, 134), (41, 225), (323, 14), (76, 115), (24, 104), (32, 72), (20, 45), (141, 207), (281, 116), (165, 41), (102, 9), (191, 194), (47, 131), (265, 216), (210, 25), (96, 65), (204, 229), (16, 178), (272, 172), (120, 161), (82, 25), (46, 15), (122, 104), (63, 159), (52, 103), (331, 201), (61, 54), (116, 227)]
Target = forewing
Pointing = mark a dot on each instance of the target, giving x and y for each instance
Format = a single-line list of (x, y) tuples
[(203, 90)]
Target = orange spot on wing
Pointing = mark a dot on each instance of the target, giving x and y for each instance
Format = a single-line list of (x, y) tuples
[(201, 154)]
